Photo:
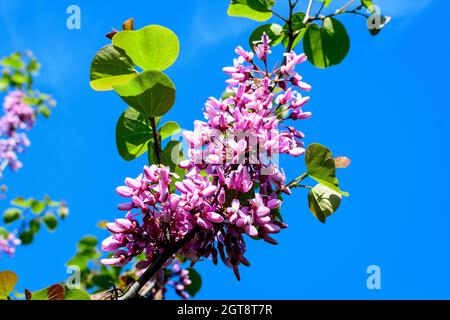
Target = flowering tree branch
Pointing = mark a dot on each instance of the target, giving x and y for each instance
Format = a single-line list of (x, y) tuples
[(157, 264)]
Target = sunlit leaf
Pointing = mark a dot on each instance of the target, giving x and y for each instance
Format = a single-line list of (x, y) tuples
[(259, 10), (323, 201), (327, 45), (151, 93), (8, 281), (151, 48), (110, 67), (320, 166)]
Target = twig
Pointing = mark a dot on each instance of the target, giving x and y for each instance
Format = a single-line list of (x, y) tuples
[(155, 140), (157, 264)]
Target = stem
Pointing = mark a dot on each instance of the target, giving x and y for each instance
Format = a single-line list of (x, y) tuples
[(156, 140), (290, 31), (157, 264), (295, 183)]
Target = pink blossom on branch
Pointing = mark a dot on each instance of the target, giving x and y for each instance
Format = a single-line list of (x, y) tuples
[(232, 186)]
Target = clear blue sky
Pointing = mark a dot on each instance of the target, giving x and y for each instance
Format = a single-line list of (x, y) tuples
[(386, 107)]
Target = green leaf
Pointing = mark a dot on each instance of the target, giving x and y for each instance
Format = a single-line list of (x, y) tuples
[(50, 221), (44, 111), (327, 2), (8, 281), (110, 67), (87, 242), (326, 46), (323, 201), (196, 284), (133, 132), (369, 5), (258, 10), (151, 93), (76, 294), (37, 206), (35, 225), (12, 214), (298, 29), (274, 32), (151, 48), (103, 281), (320, 166), (168, 129), (21, 202), (26, 237), (171, 155), (13, 61), (3, 232)]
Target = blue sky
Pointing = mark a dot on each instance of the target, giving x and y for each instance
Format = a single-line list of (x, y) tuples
[(385, 107)]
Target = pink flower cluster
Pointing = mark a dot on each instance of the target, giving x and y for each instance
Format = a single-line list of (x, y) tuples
[(8, 244), (18, 116), (233, 182)]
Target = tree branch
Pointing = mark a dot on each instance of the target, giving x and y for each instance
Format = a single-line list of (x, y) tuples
[(155, 140), (157, 264)]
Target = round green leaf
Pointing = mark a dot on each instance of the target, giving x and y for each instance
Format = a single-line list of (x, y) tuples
[(321, 167), (274, 32), (151, 93), (87, 242), (168, 129), (196, 284), (110, 67), (8, 281), (26, 237), (258, 10), (12, 214), (37, 206), (21, 202), (50, 221), (327, 45), (35, 225), (323, 201), (133, 132), (151, 48)]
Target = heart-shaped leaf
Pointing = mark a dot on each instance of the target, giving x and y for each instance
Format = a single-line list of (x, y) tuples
[(274, 32), (8, 281), (151, 48), (12, 214), (133, 132), (320, 166), (323, 201), (196, 282), (110, 67), (151, 93), (327, 45), (258, 10), (168, 129), (50, 221)]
